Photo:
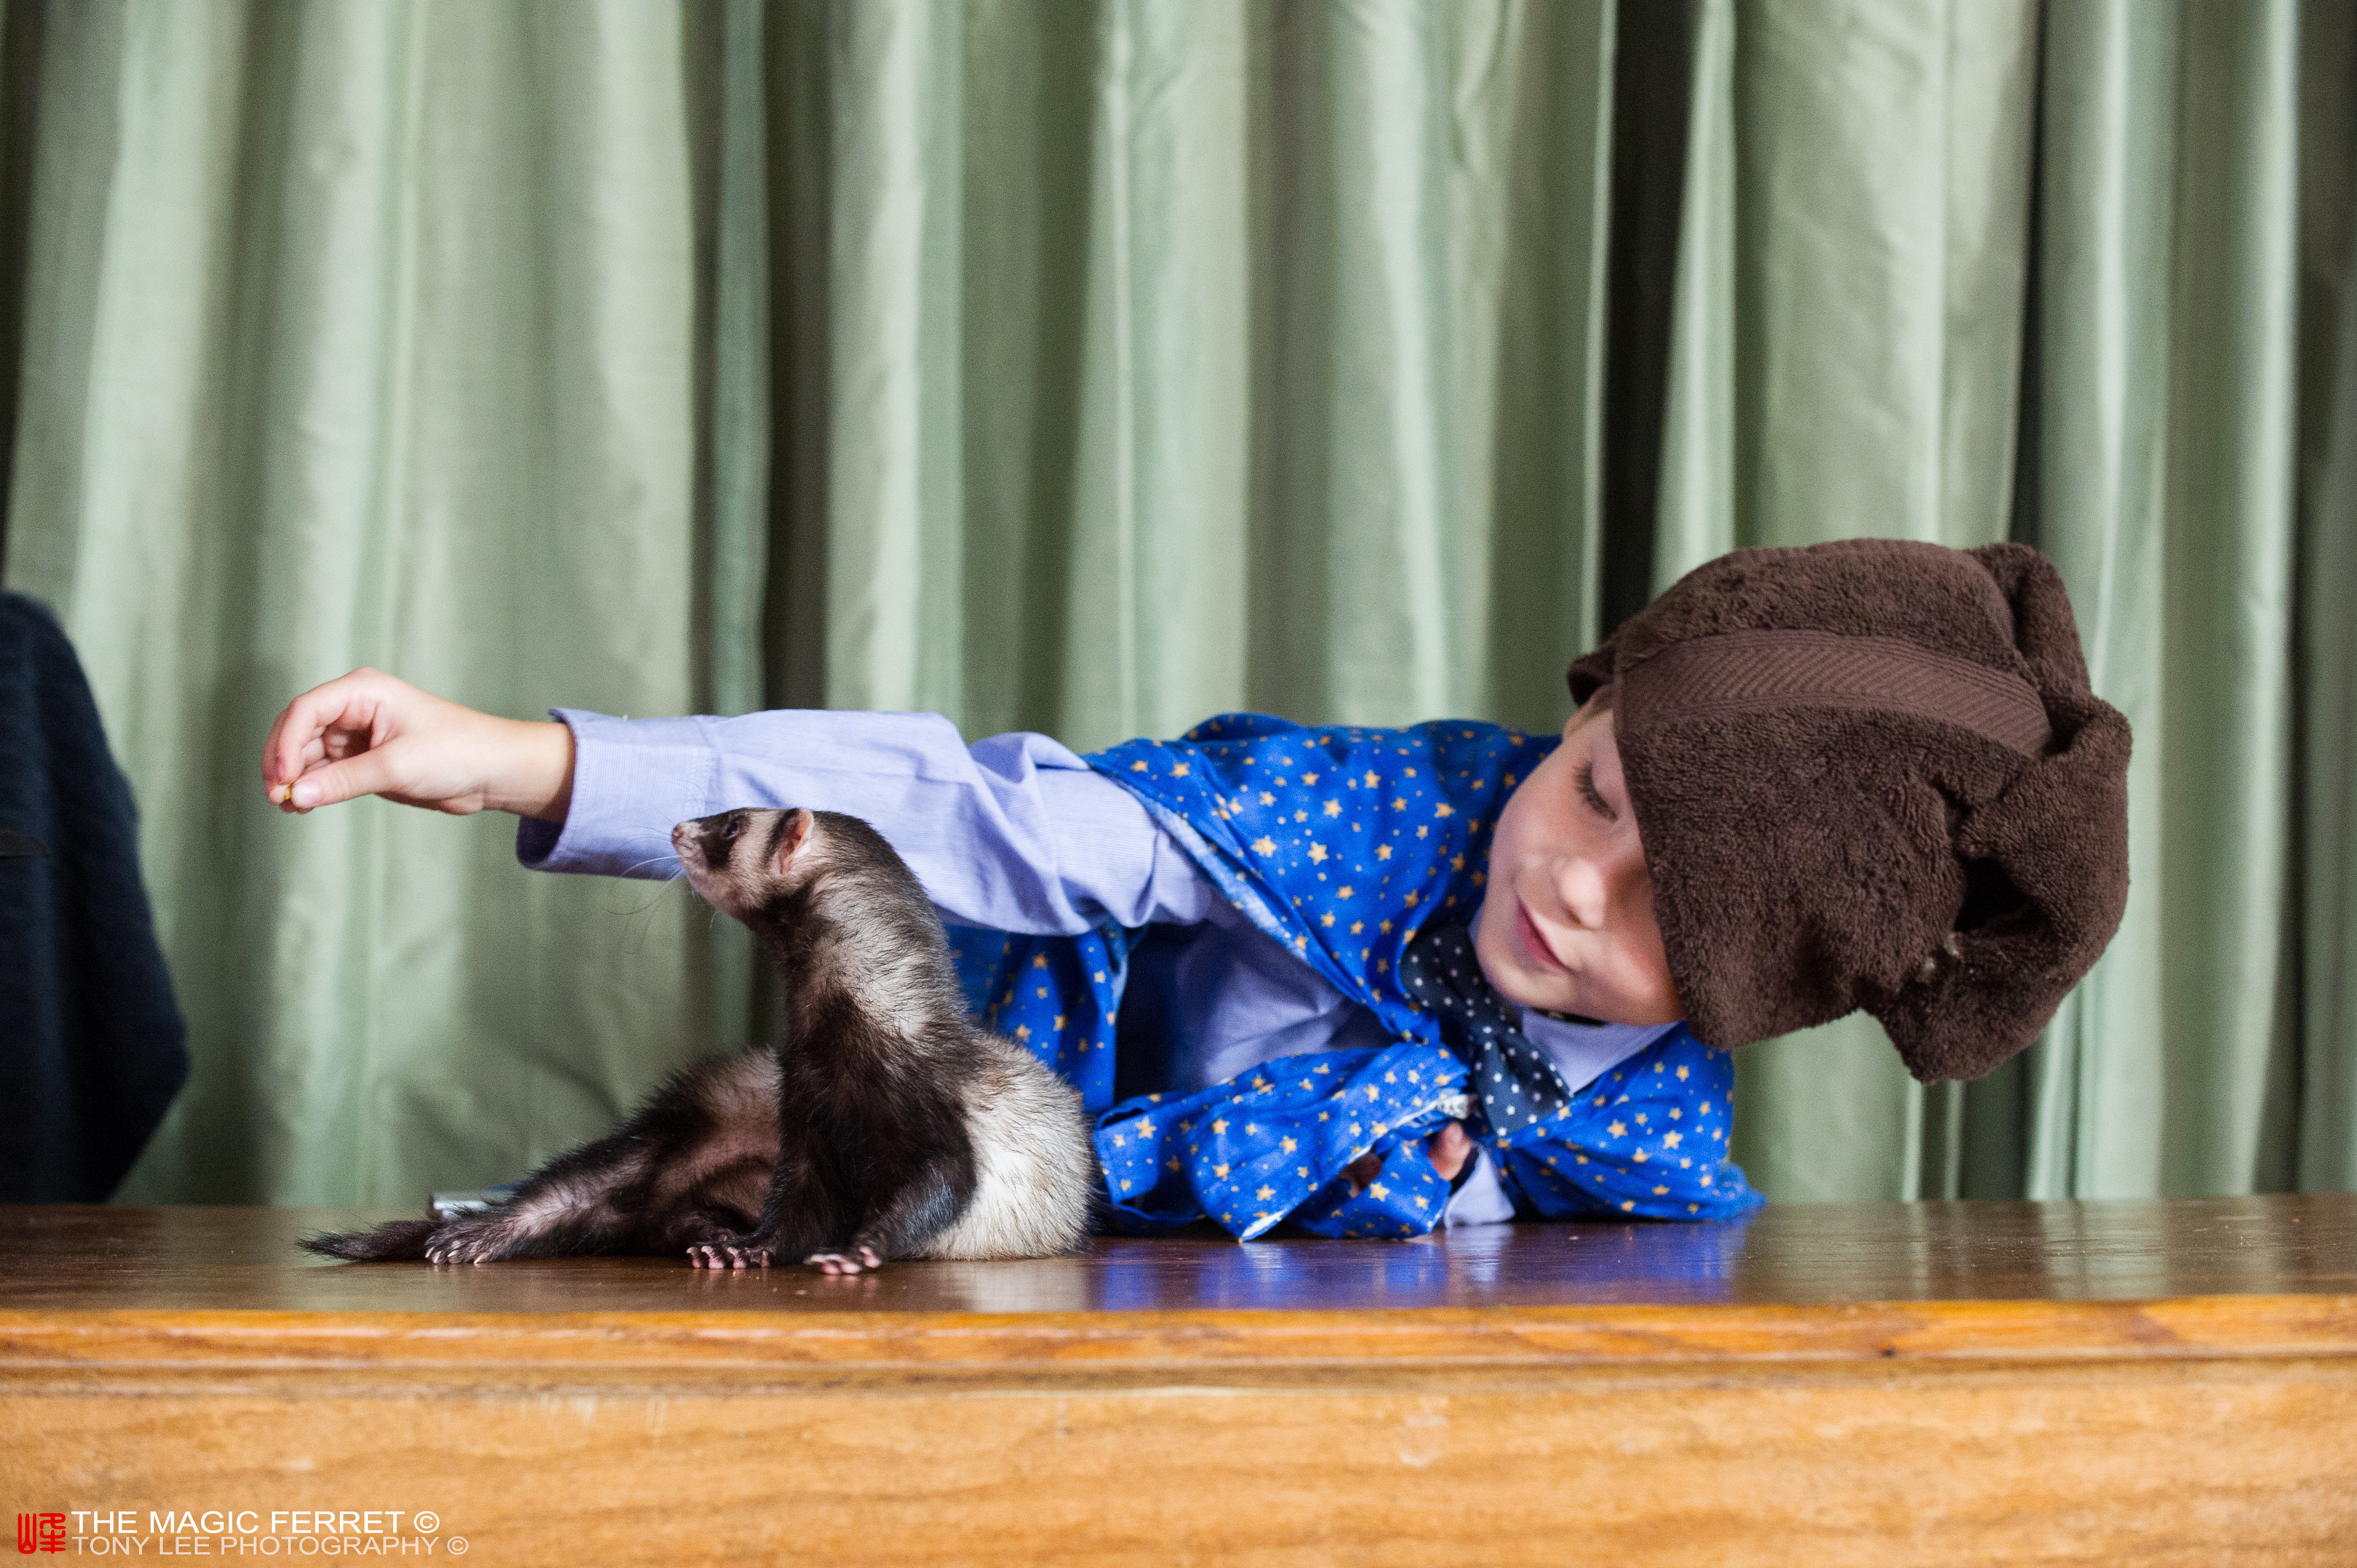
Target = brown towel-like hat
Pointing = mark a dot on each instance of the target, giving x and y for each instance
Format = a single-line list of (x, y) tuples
[(1872, 774)]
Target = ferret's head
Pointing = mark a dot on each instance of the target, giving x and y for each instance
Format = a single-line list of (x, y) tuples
[(742, 861)]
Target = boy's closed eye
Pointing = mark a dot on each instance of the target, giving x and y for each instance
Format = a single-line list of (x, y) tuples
[(1588, 792)]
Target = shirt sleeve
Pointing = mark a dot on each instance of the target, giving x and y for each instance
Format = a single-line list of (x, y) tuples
[(1013, 834)]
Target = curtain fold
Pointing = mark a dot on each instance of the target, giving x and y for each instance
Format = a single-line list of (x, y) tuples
[(2326, 670), (1092, 366)]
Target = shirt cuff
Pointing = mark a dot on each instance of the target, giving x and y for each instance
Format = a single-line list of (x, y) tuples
[(626, 776), (1483, 1199)]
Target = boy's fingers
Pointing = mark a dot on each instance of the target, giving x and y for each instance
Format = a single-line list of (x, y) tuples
[(366, 774), (348, 701)]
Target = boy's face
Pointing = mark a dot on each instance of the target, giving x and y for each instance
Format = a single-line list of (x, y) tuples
[(1568, 922)]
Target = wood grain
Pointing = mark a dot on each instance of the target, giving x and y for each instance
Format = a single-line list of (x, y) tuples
[(2133, 1383)]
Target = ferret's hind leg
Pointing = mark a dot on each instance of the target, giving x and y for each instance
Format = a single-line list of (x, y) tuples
[(575, 1205), (618, 1194), (649, 1186)]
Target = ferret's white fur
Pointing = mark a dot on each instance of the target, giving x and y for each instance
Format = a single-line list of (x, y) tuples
[(1031, 1192)]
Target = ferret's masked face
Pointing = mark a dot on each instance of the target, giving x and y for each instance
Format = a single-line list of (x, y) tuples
[(740, 860)]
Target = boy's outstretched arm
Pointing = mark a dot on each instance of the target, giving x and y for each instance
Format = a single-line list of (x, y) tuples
[(369, 733)]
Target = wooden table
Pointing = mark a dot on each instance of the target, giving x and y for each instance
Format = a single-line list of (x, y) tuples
[(1941, 1382)]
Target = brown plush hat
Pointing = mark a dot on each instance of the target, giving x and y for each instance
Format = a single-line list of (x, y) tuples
[(1872, 774)]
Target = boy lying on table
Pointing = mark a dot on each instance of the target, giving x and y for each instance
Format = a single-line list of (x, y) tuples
[(1368, 980)]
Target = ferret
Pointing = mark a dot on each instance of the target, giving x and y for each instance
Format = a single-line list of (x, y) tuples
[(883, 1125)]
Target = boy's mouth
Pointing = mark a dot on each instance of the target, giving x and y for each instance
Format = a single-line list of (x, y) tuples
[(1535, 941)]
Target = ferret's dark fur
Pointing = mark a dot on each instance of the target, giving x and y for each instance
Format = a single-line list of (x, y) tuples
[(886, 1125)]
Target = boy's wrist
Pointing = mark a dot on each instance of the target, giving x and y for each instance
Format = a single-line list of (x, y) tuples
[(536, 777)]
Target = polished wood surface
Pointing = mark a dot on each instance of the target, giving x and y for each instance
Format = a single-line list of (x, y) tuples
[(2121, 1383), (1790, 1255)]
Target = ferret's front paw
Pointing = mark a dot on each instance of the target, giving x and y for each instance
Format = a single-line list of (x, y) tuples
[(739, 1257), (851, 1262)]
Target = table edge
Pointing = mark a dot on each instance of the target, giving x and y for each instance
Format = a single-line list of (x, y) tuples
[(2166, 1328)]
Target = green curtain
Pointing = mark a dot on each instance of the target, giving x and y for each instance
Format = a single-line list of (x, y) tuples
[(1092, 366)]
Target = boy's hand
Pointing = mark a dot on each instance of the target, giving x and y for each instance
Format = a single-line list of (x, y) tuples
[(1448, 1149), (368, 734)]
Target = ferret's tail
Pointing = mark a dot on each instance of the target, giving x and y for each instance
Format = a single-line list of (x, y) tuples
[(399, 1240)]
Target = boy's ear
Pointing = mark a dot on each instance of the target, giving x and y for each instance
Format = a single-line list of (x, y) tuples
[(797, 826)]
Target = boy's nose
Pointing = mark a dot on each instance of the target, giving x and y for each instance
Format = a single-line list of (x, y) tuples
[(1586, 891)]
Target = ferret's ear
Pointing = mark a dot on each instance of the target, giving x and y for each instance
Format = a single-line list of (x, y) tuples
[(792, 835)]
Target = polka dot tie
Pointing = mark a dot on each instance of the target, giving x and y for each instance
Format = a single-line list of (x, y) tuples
[(1517, 1084)]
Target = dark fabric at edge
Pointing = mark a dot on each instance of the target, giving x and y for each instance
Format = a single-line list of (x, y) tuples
[(91, 1046)]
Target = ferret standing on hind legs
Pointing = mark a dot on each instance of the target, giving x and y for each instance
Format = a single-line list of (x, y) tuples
[(883, 1125)]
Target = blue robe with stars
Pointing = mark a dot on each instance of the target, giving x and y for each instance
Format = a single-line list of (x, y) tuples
[(1341, 843)]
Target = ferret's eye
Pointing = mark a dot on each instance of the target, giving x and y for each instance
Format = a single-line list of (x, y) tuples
[(735, 826)]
